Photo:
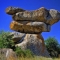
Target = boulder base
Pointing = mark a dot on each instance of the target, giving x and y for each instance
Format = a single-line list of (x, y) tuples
[(35, 43)]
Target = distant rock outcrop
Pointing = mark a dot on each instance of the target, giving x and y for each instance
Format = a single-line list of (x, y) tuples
[(31, 24)]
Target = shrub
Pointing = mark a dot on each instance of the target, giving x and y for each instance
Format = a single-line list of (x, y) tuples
[(23, 53), (5, 40), (52, 46)]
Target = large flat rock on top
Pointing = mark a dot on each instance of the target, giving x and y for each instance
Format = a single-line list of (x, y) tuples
[(36, 15), (41, 15)]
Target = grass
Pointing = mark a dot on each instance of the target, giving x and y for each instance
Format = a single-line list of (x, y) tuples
[(56, 59), (37, 58), (25, 55), (30, 58)]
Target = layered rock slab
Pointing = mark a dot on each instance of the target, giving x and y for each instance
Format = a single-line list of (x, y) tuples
[(30, 27), (36, 15), (42, 15)]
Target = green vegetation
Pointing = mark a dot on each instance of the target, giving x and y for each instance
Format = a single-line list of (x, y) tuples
[(5, 40), (52, 46), (51, 43), (37, 58), (23, 53)]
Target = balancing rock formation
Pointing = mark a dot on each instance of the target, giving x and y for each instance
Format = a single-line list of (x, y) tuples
[(31, 24)]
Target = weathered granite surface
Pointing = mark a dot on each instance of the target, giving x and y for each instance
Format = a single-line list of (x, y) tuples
[(13, 10), (16, 37), (35, 43), (32, 23), (42, 14), (30, 27), (7, 54)]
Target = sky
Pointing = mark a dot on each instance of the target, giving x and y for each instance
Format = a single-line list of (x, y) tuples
[(6, 19)]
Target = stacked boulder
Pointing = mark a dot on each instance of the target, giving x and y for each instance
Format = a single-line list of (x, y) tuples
[(31, 24)]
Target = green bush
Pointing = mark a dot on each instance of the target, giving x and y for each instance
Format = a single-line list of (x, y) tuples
[(23, 53), (52, 46), (6, 40)]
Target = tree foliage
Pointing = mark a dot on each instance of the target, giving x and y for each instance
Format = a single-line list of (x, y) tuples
[(23, 53), (52, 46), (5, 40)]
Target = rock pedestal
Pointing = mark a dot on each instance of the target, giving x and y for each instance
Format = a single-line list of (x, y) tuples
[(32, 24), (35, 43)]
